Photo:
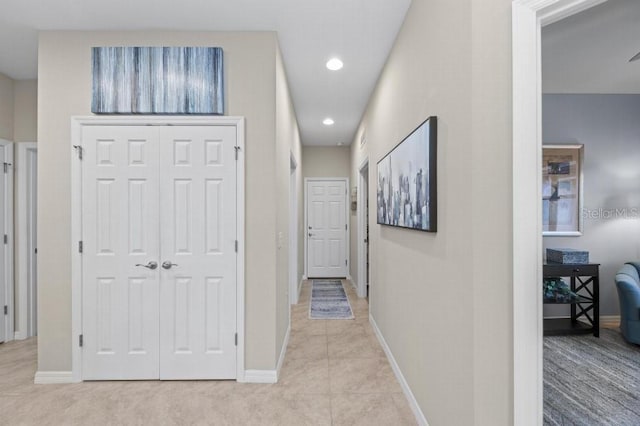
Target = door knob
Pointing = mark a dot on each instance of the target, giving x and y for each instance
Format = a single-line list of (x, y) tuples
[(167, 264), (151, 265)]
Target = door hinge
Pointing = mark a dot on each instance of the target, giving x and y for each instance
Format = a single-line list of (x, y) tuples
[(6, 310), (236, 148), (236, 339), (345, 262), (80, 340), (6, 167), (78, 149), (345, 226), (80, 246), (6, 239), (236, 246)]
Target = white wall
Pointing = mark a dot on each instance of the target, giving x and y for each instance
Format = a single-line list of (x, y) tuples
[(64, 90), (443, 301), (609, 128)]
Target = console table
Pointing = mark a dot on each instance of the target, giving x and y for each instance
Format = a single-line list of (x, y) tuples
[(585, 311)]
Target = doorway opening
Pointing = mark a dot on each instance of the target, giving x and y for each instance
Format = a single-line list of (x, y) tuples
[(6, 241), (527, 20), (293, 232), (27, 238), (363, 229)]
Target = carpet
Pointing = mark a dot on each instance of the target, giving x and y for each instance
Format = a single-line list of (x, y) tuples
[(329, 300), (591, 381)]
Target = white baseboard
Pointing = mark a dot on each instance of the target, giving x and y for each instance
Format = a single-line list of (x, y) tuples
[(413, 403), (19, 335), (610, 321), (283, 352), (52, 377), (261, 376)]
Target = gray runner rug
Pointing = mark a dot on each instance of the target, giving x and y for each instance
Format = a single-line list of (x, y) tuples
[(591, 381), (329, 301)]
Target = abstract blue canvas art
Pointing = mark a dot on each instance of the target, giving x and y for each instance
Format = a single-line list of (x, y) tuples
[(157, 80)]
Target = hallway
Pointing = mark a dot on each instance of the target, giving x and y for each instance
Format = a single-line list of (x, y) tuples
[(335, 373)]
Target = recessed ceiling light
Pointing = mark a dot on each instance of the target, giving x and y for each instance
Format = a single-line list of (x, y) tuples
[(334, 64), (340, 144), (327, 122)]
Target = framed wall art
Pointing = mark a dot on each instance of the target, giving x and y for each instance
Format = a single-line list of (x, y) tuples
[(406, 194), (562, 190), (157, 80)]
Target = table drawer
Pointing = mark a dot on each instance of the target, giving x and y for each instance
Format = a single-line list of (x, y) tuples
[(569, 270)]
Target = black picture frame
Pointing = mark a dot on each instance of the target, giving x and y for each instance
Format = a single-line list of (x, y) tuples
[(407, 181)]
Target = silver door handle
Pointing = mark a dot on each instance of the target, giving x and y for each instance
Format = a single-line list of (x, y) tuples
[(167, 264), (151, 265)]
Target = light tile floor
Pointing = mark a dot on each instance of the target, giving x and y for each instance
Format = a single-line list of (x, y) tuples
[(335, 373)]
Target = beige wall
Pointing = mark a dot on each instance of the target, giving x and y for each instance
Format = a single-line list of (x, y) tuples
[(326, 161), (287, 145), (6, 107), (64, 90), (25, 111), (443, 301)]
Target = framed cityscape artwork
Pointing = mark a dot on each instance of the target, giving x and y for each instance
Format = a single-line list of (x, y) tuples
[(562, 190), (406, 195)]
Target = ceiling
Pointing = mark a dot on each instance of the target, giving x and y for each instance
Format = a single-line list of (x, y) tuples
[(359, 32), (589, 52)]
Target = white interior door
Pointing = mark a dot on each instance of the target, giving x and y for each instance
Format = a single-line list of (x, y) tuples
[(120, 232), (3, 247), (198, 253), (159, 255), (326, 228)]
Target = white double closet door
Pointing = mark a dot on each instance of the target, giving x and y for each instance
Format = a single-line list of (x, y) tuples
[(159, 252)]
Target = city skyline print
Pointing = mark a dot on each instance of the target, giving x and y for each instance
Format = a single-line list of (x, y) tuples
[(406, 193)]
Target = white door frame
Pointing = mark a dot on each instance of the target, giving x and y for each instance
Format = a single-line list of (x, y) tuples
[(7, 226), (77, 124), (26, 285), (528, 17), (346, 212), (293, 231), (363, 189)]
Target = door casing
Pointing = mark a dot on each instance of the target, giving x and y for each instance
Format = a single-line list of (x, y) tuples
[(26, 285), (77, 124), (363, 220), (6, 228)]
